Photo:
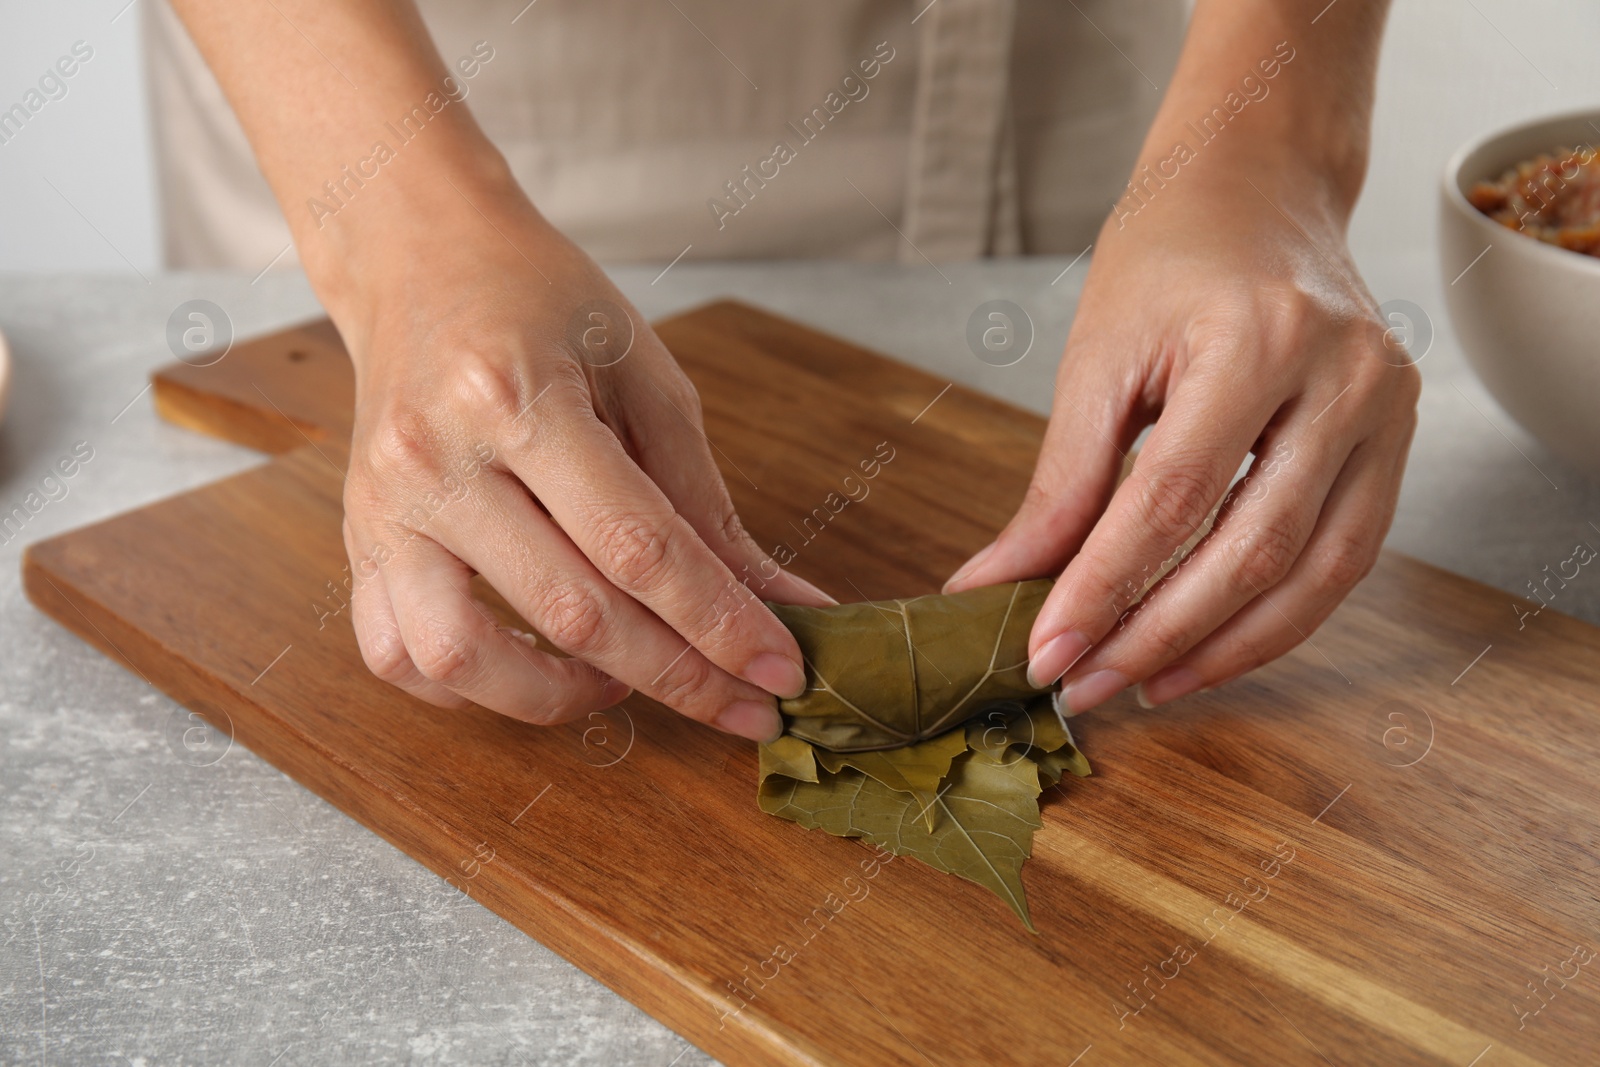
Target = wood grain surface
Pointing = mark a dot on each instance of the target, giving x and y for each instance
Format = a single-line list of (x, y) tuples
[(1381, 849)]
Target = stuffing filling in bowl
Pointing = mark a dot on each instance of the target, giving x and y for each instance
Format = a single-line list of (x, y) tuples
[(1554, 197)]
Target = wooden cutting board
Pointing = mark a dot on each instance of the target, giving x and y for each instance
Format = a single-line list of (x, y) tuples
[(1378, 851)]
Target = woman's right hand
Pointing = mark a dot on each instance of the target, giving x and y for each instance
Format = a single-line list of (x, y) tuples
[(517, 418)]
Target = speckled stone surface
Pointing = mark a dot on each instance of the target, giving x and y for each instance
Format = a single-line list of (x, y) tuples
[(163, 906)]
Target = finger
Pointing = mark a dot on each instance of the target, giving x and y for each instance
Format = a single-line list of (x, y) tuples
[(502, 534), (675, 453), (378, 632), (1261, 528), (456, 643), (1192, 455), (625, 525), (1086, 442), (1341, 551)]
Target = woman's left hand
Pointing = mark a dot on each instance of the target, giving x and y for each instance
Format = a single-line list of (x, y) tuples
[(1226, 310)]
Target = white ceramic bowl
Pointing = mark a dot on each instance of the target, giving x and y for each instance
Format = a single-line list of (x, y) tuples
[(1527, 313)]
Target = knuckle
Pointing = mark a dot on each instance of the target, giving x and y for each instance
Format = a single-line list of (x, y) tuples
[(386, 657), (1298, 312), (559, 390), (1383, 343), (1174, 500), (1342, 562), (1388, 346), (1037, 497), (1162, 640), (404, 444), (1043, 499), (1265, 555), (570, 616), (1290, 316), (1272, 321), (549, 714), (681, 391), (557, 706), (1248, 653), (447, 655), (715, 624), (1383, 380), (1373, 378), (486, 385), (634, 551), (684, 687), (572, 696), (1102, 584), (565, 382), (730, 528)]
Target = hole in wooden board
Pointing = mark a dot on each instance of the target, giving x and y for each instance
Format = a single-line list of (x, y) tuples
[(297, 356)]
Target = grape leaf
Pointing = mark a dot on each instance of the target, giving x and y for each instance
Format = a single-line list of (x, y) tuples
[(978, 823), (1038, 731), (888, 673), (1053, 764), (988, 811), (790, 757), (916, 769)]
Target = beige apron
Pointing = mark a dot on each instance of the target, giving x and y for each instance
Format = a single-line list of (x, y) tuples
[(852, 129)]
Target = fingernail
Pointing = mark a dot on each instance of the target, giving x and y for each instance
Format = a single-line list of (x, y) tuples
[(970, 565), (614, 691), (747, 718), (778, 675), (1092, 690), (1055, 658), (1167, 685)]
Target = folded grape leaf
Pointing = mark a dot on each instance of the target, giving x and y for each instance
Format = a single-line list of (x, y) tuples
[(1053, 764), (916, 769), (1037, 733), (977, 824), (1032, 729), (988, 812), (888, 673), (790, 757)]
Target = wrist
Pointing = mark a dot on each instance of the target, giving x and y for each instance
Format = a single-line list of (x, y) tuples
[(1267, 102), (1318, 185), (374, 222)]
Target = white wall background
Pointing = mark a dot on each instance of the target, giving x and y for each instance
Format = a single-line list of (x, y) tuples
[(92, 145), (1451, 69)]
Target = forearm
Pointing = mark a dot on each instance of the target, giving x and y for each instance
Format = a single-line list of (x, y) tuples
[(1259, 86), (359, 126)]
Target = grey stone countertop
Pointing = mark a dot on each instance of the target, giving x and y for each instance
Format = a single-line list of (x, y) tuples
[(158, 912)]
